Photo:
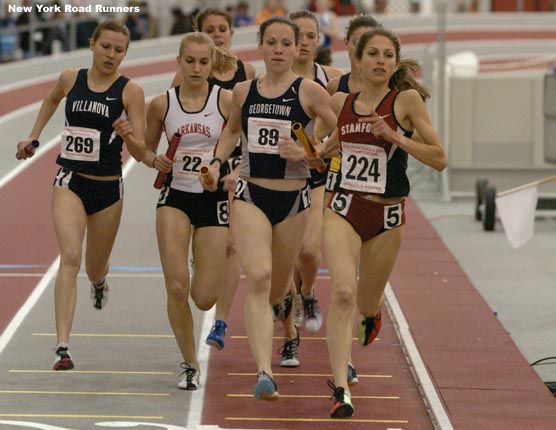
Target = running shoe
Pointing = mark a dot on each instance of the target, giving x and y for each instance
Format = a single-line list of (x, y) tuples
[(298, 311), (369, 328), (99, 294), (342, 407), (189, 377), (217, 334), (63, 359), (266, 388), (352, 375), (282, 310), (313, 317), (289, 352)]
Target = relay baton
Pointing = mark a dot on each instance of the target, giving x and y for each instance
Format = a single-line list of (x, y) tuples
[(170, 153), (307, 144), (205, 173), (29, 148)]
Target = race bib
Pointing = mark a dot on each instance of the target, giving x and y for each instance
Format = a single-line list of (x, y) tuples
[(363, 168), (264, 133), (189, 161), (80, 144)]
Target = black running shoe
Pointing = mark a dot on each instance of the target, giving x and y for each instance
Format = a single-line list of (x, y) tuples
[(99, 294), (289, 352), (63, 359), (282, 310), (342, 407)]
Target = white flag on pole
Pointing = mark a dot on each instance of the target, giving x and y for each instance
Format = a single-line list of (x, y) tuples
[(517, 213)]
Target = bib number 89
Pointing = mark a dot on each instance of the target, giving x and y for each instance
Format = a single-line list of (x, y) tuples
[(268, 136)]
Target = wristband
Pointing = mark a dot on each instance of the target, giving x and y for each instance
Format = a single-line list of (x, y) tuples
[(215, 159)]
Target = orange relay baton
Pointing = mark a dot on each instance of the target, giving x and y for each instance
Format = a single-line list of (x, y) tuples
[(308, 144), (205, 173), (170, 153)]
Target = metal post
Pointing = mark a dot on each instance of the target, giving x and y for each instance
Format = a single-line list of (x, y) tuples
[(441, 11)]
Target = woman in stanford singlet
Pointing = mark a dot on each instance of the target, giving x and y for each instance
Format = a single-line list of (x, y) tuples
[(365, 216)]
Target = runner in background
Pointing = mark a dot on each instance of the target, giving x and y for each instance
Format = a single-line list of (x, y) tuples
[(197, 110), (103, 111), (305, 303), (217, 24)]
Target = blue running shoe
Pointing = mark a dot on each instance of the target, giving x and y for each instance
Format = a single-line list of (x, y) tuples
[(217, 334), (352, 375), (265, 388)]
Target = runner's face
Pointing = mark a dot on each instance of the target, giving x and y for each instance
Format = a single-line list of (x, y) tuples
[(218, 30), (195, 63), (308, 39), (378, 61), (109, 50), (353, 40), (278, 47)]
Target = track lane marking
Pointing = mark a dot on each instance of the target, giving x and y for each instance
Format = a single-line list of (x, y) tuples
[(161, 336), (317, 396), (318, 420), (314, 375), (90, 372), (84, 393), (132, 417)]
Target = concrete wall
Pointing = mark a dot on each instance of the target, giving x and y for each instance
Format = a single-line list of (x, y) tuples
[(496, 129)]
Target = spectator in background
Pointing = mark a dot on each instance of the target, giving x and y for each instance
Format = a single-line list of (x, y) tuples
[(272, 8), (25, 38), (182, 23), (242, 17), (328, 22), (8, 41), (139, 23), (58, 32), (414, 6), (85, 27), (381, 7)]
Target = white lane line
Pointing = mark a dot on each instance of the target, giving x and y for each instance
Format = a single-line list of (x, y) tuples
[(21, 166), (34, 297), (438, 413), (28, 305), (195, 413)]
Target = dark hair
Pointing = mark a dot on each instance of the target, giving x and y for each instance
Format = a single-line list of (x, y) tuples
[(323, 56), (404, 77), (202, 15), (279, 20), (111, 25), (359, 21), (304, 13)]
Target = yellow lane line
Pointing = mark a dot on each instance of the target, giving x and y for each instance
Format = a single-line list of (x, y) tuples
[(85, 393), (170, 336), (318, 420), (94, 372), (161, 336), (313, 396), (121, 417), (307, 375), (302, 338)]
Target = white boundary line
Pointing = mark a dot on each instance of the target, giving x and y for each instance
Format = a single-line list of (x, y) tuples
[(16, 321), (22, 313), (43, 149), (439, 416)]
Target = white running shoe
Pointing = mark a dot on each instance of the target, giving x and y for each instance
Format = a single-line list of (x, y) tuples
[(190, 377)]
